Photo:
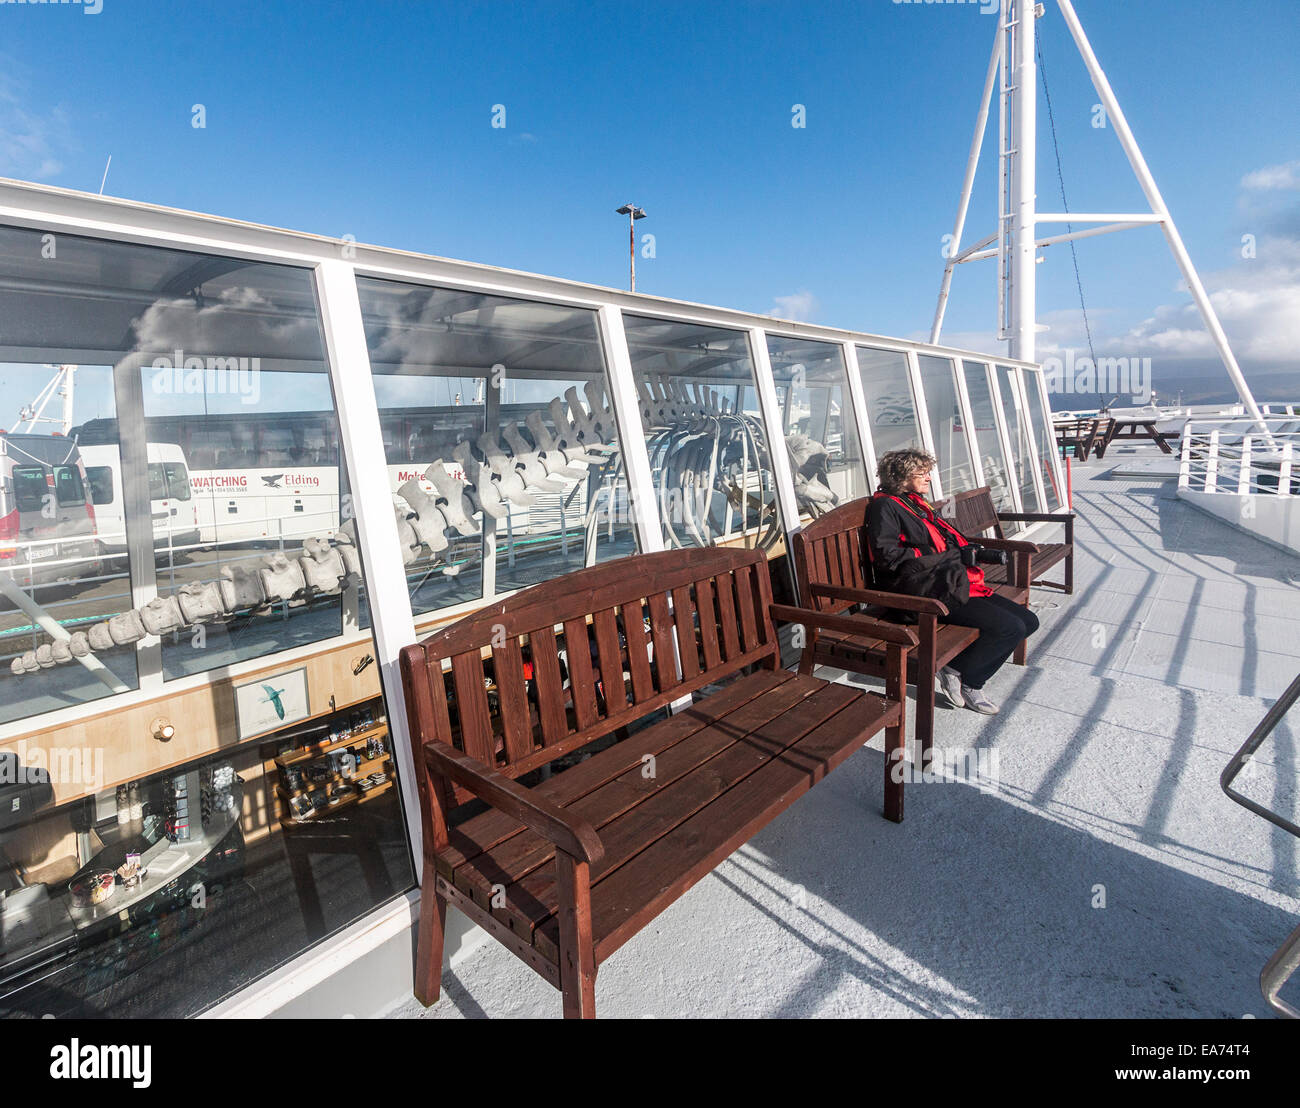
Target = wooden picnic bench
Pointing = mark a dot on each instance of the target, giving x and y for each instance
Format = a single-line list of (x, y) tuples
[(834, 575), (564, 871), (1085, 436), (1134, 429)]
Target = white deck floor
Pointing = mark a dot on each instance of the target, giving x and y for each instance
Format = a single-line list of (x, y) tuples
[(1180, 633)]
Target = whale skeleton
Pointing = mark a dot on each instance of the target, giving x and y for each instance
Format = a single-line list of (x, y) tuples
[(712, 463)]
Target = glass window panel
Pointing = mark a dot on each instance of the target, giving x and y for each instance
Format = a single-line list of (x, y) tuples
[(821, 433), (947, 426), (708, 446), (1022, 444), (1044, 439), (891, 409), (987, 439), (229, 463), (495, 417)]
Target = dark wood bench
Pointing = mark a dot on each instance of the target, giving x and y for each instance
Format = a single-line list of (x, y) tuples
[(563, 872), (974, 515), (834, 576)]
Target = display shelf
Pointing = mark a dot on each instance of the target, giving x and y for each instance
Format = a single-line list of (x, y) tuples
[(319, 750), (385, 766), (292, 822)]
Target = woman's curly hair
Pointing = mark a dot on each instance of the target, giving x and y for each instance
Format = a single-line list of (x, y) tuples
[(897, 466)]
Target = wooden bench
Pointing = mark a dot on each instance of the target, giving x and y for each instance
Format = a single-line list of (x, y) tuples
[(974, 515), (834, 575), (563, 872)]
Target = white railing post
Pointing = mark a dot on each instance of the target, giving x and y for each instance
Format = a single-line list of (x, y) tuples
[(1212, 464), (1185, 461), (1243, 475), (1284, 470)]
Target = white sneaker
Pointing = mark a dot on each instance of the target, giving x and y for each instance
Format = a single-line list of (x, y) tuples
[(951, 687), (978, 702)]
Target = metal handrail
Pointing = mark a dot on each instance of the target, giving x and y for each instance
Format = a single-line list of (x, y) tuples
[(1286, 959), (1233, 456)]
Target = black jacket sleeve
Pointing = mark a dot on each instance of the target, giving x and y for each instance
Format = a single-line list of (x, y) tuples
[(892, 554)]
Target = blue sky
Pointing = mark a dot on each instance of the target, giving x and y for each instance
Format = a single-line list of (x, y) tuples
[(374, 120)]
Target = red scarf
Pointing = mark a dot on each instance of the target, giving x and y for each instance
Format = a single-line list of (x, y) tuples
[(932, 524)]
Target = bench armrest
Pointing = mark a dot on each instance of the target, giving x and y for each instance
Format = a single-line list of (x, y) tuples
[(570, 833), (1009, 544), (1038, 517), (898, 600), (851, 625)]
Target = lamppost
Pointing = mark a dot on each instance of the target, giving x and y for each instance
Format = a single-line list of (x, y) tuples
[(633, 213)]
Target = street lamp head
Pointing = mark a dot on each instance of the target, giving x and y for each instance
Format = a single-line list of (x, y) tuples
[(632, 210)]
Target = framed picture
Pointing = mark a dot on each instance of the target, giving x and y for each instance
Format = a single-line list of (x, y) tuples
[(270, 703)]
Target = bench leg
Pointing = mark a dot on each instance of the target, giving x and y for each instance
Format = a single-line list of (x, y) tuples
[(1019, 655), (429, 942), (895, 771), (896, 736), (926, 668), (577, 951)]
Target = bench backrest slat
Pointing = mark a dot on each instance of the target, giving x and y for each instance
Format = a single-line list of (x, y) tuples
[(830, 551), (972, 513), (549, 669)]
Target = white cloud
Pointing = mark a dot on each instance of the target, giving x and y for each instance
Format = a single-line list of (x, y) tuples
[(1257, 301), (798, 306), (1285, 176)]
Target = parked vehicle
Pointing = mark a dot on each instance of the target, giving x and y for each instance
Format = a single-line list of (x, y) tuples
[(173, 508), (47, 520)]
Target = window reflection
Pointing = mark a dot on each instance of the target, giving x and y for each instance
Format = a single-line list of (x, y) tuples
[(1044, 438), (1024, 458), (821, 432), (501, 443), (891, 410), (987, 438), (952, 442), (709, 451)]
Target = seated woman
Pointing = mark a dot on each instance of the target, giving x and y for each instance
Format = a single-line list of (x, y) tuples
[(916, 551)]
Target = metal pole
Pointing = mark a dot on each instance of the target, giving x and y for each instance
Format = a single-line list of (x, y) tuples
[(631, 245), (963, 205), (1152, 191), (1022, 159)]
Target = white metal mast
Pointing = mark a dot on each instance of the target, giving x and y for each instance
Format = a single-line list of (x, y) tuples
[(62, 384), (1014, 57)]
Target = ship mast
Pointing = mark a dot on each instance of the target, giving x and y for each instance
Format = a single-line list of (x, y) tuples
[(62, 385), (1015, 243)]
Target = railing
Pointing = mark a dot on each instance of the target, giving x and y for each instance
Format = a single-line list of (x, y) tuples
[(1286, 959), (1238, 457)]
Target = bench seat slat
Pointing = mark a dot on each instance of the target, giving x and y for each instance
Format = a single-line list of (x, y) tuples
[(485, 831), (632, 895), (744, 748), (524, 853)]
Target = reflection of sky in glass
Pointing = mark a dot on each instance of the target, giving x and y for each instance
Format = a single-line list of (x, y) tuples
[(21, 383)]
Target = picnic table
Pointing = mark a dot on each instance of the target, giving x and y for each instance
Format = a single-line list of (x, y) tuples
[(1144, 428)]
